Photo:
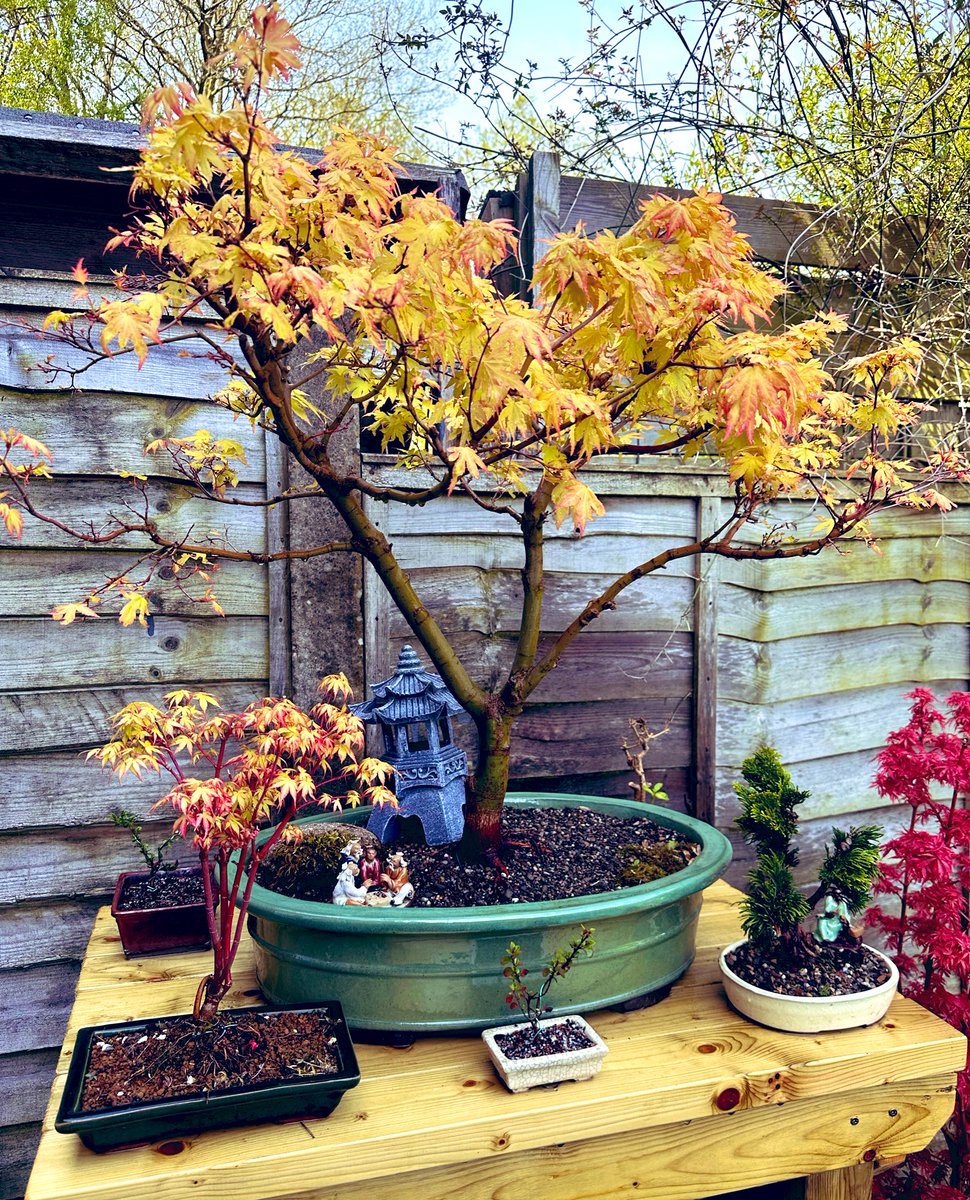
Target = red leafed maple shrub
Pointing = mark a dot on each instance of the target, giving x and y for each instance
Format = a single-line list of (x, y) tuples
[(236, 774), (925, 875)]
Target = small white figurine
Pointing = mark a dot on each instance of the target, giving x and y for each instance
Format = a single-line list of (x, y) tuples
[(351, 852), (346, 891), (395, 879)]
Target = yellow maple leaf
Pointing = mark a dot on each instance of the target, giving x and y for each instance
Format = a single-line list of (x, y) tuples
[(134, 609), (67, 614), (12, 519), (576, 500)]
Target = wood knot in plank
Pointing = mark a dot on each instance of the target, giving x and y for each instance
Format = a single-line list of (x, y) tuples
[(727, 1098)]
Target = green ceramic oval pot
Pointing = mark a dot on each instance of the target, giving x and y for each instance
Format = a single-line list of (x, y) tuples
[(421, 969)]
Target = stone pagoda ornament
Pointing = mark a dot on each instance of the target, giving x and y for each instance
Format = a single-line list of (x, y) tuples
[(414, 710)]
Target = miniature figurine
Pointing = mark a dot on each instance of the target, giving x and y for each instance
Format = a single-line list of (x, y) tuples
[(833, 921), (346, 891), (352, 852), (396, 880), (370, 868)]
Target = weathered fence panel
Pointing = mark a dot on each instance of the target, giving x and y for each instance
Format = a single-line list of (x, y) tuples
[(811, 655)]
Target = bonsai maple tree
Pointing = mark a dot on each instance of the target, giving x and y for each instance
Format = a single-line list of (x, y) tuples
[(655, 342), (261, 765), (153, 856)]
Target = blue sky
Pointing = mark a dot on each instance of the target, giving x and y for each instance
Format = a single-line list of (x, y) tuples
[(545, 31)]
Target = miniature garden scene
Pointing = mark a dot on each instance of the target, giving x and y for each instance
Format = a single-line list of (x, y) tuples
[(484, 539)]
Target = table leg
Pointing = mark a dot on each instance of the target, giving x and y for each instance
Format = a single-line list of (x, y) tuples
[(849, 1183)]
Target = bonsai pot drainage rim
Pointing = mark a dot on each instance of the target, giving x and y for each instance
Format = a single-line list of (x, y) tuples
[(520, 1074), (808, 1014), (308, 1096)]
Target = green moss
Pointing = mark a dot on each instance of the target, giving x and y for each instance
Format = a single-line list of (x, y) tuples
[(644, 862), (306, 869)]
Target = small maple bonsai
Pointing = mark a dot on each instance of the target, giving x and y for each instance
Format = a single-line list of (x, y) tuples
[(261, 765), (530, 1001), (292, 275), (773, 909), (923, 881)]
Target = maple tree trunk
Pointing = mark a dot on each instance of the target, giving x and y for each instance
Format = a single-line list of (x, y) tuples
[(487, 787)]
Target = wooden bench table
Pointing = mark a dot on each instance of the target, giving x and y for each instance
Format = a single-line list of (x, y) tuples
[(692, 1101)]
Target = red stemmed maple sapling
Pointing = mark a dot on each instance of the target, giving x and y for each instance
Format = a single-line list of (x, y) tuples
[(530, 1001), (260, 766), (333, 302), (925, 878)]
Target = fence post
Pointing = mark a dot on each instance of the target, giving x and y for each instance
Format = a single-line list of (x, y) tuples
[(277, 540), (704, 692), (539, 208)]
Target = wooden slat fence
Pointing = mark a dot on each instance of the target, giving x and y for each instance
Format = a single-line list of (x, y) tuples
[(811, 655)]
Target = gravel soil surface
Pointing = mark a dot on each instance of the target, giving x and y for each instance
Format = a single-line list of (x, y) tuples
[(166, 890), (548, 854), (552, 1039), (180, 1056), (832, 971)]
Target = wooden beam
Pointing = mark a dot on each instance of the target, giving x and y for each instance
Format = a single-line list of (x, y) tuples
[(851, 1183), (780, 231), (504, 206), (277, 540)]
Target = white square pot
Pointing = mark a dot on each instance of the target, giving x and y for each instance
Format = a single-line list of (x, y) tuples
[(520, 1074)]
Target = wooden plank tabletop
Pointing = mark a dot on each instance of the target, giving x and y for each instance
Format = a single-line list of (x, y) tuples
[(693, 1100)]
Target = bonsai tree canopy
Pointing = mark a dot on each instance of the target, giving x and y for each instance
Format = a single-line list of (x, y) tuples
[(774, 908), (654, 342)]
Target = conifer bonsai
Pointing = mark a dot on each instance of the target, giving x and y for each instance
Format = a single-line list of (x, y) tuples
[(293, 274), (773, 911)]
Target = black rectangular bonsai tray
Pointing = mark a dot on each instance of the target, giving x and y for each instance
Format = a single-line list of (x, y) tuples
[(308, 1096)]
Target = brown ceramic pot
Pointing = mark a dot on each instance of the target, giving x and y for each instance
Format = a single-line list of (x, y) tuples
[(160, 930)]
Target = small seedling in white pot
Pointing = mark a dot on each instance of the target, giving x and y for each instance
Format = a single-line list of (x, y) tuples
[(549, 1050), (781, 974)]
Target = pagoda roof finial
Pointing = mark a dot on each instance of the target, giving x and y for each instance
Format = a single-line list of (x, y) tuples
[(410, 694)]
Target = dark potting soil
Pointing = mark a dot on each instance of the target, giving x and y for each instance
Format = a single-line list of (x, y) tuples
[(547, 854), (167, 889), (832, 971), (180, 1056), (551, 1039)]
